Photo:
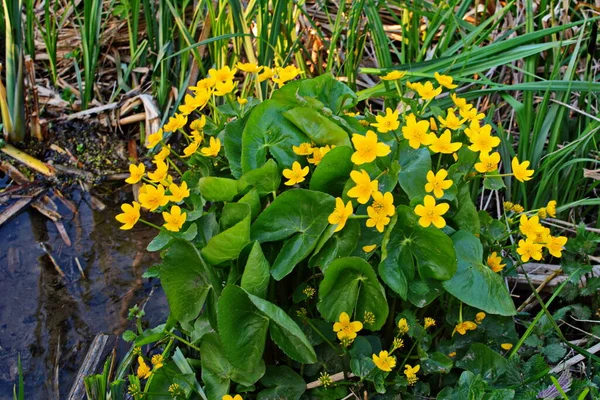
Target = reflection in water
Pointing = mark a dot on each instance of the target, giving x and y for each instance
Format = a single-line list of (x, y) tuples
[(51, 320)]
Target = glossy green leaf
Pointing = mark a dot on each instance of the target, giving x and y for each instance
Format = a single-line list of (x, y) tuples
[(253, 200), (266, 132), (436, 362), (422, 292), (265, 179), (474, 283), (414, 165), (333, 171), (493, 183), (482, 360), (340, 244), (396, 269), (298, 215), (350, 285), (232, 142), (165, 377), (466, 217), (256, 276), (320, 129), (214, 188), (281, 383), (228, 244)]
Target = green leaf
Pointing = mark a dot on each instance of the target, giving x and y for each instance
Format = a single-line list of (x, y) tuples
[(267, 131), (253, 200), (436, 362), (298, 215), (265, 179), (165, 377), (395, 270), (214, 188), (431, 248), (151, 335), (422, 292), (232, 142), (186, 281), (256, 276), (554, 352), (350, 285), (333, 171), (466, 217), (414, 165), (283, 383), (474, 283), (160, 241), (493, 183), (320, 129), (470, 387), (340, 244), (228, 244), (481, 360)]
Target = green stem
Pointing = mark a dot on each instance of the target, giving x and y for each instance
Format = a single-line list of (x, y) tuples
[(182, 340), (321, 335)]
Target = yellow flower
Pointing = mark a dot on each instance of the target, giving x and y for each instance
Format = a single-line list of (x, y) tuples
[(429, 322), (296, 174), (223, 74), (483, 141), (379, 211), (377, 220), (266, 74), (204, 85), (197, 136), (426, 91), (163, 153), (174, 220), (431, 213), (190, 149), (177, 121), (452, 354), (143, 371), (305, 149), (154, 138), (470, 113), (506, 346), (542, 213), (475, 128), (318, 154), (136, 172), (555, 246), (213, 149), (346, 329), (387, 122), (286, 74), (198, 124), (228, 397), (463, 327), (325, 379), (340, 215), (551, 208), (242, 101), (460, 102), (445, 80), (364, 186), (403, 326), (249, 67), (202, 97), (479, 317), (416, 132), (130, 215), (436, 183), (508, 205), (520, 170), (530, 226), (543, 237), (153, 197), (369, 248), (157, 361), (444, 144), (160, 173), (367, 148), (451, 121), (487, 162), (432, 125), (529, 249), (393, 75), (363, 122), (384, 361), (518, 208), (494, 261), (178, 193), (191, 104), (222, 88), (411, 373)]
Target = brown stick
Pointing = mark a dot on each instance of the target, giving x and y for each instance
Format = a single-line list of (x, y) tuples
[(28, 160)]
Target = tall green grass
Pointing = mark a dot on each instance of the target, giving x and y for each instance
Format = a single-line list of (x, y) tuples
[(90, 28)]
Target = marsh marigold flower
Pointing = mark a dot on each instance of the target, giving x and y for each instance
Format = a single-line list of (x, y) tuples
[(340, 215), (384, 361), (487, 162), (387, 122), (178, 193), (368, 148), (153, 197), (429, 322), (555, 245), (223, 74), (346, 329), (506, 346), (529, 249), (444, 144), (431, 213), (518, 208), (364, 188), (463, 327), (483, 140), (213, 148), (445, 80), (143, 371), (198, 124), (416, 132), (318, 154), (403, 326), (530, 226), (305, 149), (130, 215), (157, 361), (470, 113), (229, 397), (163, 153), (460, 102), (520, 170), (222, 88), (160, 173), (437, 183), (295, 175), (205, 84), (380, 210), (266, 74), (191, 149), (242, 101), (174, 220), (154, 138), (393, 75), (285, 74), (451, 121), (411, 373), (136, 172), (494, 261), (177, 121), (551, 208), (369, 248), (426, 91), (191, 104), (479, 317), (249, 67)]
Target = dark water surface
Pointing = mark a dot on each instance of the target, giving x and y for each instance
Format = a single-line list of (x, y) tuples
[(50, 321)]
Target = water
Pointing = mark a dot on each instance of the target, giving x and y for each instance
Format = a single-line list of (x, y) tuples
[(50, 321)]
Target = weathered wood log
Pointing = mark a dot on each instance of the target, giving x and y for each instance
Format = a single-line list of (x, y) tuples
[(93, 358)]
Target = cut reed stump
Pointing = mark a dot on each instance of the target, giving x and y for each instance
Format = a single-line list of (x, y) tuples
[(95, 355)]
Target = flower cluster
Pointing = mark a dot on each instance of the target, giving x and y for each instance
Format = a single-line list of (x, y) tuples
[(144, 371), (536, 238)]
